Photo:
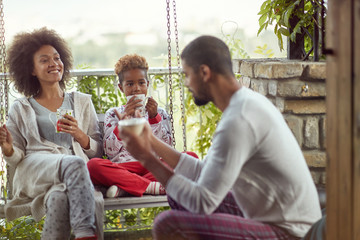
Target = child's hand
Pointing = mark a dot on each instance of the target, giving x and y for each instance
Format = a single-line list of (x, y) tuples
[(151, 107), (132, 105)]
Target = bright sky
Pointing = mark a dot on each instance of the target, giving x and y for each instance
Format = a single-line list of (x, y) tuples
[(94, 17)]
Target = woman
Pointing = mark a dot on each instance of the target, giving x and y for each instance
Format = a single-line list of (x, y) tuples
[(50, 168)]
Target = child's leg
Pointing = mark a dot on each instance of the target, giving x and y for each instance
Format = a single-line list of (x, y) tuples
[(176, 224), (126, 176)]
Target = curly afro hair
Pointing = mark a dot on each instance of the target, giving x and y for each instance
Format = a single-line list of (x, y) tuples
[(20, 59), (129, 62)]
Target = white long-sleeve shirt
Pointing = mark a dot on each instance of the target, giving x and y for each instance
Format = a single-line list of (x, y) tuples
[(114, 147), (254, 154)]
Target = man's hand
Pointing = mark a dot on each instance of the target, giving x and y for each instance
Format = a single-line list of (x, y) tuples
[(139, 146), (142, 149)]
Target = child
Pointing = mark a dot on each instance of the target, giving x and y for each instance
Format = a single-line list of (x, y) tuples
[(121, 172)]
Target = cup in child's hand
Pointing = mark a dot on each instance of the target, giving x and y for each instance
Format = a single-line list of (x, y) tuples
[(135, 125), (143, 102), (60, 113)]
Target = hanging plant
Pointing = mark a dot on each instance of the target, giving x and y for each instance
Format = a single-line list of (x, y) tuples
[(280, 13)]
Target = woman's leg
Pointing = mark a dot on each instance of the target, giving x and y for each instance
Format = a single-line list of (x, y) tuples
[(175, 224), (80, 193), (127, 176), (57, 223)]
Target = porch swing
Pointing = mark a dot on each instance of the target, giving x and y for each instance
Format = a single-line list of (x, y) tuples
[(109, 203)]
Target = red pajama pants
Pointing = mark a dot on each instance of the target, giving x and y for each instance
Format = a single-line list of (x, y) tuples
[(227, 222), (131, 176)]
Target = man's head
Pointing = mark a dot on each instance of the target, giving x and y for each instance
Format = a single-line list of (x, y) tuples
[(132, 73), (202, 56)]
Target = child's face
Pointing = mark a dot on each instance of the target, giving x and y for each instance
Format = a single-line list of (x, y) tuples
[(134, 82)]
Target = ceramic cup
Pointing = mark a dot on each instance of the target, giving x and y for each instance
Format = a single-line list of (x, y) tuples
[(143, 101), (60, 114), (135, 125)]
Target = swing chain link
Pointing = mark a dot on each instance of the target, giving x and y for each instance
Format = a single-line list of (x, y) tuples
[(3, 97), (170, 73), (181, 83)]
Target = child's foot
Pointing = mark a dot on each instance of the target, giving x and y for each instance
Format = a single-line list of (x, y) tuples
[(114, 191), (155, 188)]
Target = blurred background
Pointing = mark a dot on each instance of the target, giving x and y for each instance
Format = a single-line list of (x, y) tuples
[(99, 32)]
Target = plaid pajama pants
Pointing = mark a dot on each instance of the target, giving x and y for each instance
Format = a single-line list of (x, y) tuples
[(227, 222)]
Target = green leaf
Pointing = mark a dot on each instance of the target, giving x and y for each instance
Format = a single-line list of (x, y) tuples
[(280, 41), (262, 19), (265, 5), (260, 29), (287, 16), (284, 31)]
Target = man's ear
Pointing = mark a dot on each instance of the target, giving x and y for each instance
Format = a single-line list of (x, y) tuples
[(205, 72), (121, 88)]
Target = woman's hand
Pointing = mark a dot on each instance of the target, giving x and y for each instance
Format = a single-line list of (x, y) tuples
[(151, 107), (6, 141), (69, 124)]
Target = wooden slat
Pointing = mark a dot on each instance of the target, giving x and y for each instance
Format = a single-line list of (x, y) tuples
[(135, 202), (339, 121), (356, 110)]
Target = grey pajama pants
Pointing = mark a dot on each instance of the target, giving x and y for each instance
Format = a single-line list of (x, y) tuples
[(73, 209)]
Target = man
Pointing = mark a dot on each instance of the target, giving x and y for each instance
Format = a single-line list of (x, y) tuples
[(253, 184)]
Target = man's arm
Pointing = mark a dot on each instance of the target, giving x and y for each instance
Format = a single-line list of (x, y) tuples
[(165, 151), (142, 148)]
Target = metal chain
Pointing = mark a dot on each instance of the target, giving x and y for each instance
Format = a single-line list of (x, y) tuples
[(170, 73), (181, 83), (3, 95)]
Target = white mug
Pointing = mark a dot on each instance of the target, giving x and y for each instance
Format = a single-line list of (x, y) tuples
[(143, 99), (135, 125)]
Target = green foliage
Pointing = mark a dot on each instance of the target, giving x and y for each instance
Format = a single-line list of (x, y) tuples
[(234, 43), (210, 115), (236, 47), (146, 217), (21, 228), (103, 89), (281, 11), (265, 51)]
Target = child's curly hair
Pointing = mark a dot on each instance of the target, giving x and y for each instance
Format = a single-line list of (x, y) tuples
[(129, 62), (21, 63)]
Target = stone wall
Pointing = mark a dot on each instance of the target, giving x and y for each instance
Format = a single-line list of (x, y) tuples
[(297, 89)]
